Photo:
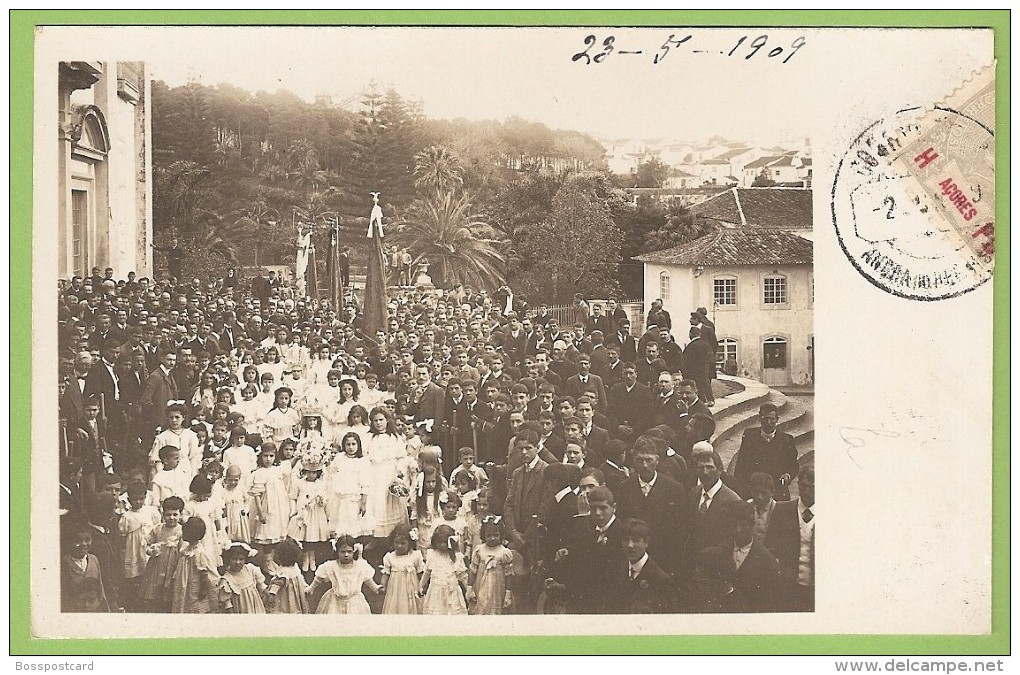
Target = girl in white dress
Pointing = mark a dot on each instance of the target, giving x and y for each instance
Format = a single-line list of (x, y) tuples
[(271, 503), (348, 476), (282, 421), (385, 450), (310, 522), (344, 580), (445, 575)]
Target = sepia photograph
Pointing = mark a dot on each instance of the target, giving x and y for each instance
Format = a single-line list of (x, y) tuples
[(461, 328)]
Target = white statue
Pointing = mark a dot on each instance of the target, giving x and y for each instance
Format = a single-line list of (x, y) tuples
[(376, 217), (304, 243)]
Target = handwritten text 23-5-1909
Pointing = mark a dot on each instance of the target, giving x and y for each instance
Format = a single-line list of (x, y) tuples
[(743, 47)]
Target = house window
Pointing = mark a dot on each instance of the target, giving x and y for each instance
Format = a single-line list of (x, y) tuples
[(775, 290), (725, 291), (774, 353), (664, 285), (726, 351)]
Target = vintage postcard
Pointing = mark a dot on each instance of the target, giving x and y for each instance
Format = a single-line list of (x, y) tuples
[(458, 329)]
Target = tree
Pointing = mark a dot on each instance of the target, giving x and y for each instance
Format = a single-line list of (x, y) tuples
[(682, 226), (437, 170), (577, 249), (459, 246), (763, 179), (651, 174)]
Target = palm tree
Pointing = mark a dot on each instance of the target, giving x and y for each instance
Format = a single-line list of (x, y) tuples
[(459, 247), (437, 170)]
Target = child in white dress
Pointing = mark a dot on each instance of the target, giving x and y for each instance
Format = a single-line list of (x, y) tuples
[(348, 476), (401, 572), (271, 505), (344, 579), (310, 522), (445, 575)]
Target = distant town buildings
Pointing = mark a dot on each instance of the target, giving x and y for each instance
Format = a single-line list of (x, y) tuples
[(715, 162)]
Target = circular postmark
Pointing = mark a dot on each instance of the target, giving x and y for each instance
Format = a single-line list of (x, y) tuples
[(913, 203)]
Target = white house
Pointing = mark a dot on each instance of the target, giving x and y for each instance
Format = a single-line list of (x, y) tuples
[(104, 168), (754, 274)]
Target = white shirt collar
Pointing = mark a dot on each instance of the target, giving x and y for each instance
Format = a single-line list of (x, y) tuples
[(602, 530), (561, 494), (636, 567), (712, 491), (533, 463), (650, 483), (768, 437)]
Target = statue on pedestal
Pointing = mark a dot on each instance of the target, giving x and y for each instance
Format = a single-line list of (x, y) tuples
[(375, 219), (304, 244), (423, 280)]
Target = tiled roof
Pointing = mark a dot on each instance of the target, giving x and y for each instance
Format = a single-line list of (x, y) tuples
[(760, 207), (738, 246), (762, 162)]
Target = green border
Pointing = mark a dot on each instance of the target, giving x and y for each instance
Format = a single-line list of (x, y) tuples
[(22, 23)]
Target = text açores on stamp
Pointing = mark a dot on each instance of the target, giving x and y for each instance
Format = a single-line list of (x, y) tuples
[(913, 199)]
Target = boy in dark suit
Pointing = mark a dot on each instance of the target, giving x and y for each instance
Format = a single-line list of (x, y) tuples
[(640, 586), (744, 563)]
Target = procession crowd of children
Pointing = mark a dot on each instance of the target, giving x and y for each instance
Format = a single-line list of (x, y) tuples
[(226, 447)]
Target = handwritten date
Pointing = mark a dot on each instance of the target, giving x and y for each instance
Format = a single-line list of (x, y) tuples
[(596, 51)]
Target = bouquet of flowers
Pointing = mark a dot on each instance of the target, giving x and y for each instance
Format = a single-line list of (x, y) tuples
[(399, 489)]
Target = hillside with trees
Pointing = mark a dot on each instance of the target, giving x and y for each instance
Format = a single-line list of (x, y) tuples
[(486, 202)]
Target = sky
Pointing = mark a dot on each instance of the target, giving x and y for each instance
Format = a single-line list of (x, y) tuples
[(716, 82), (494, 73)]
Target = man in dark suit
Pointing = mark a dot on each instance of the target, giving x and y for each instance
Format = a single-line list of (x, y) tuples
[(159, 388), (670, 351), (687, 390), (584, 380), (515, 341), (596, 549), (649, 367), (640, 586), (523, 501), (764, 448), (428, 400), (72, 403), (595, 437), (559, 506), (698, 360), (707, 501), (624, 341), (612, 371), (776, 526), (657, 500), (749, 568), (103, 383), (205, 341), (598, 321), (630, 402), (669, 407), (456, 430)]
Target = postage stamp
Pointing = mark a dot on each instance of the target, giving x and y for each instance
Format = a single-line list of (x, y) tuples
[(913, 198)]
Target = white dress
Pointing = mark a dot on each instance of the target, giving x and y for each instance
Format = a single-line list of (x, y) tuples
[(310, 522), (386, 511), (271, 485), (348, 479), (279, 424), (345, 595)]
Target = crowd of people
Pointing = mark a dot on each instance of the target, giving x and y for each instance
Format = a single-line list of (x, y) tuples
[(227, 446)]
